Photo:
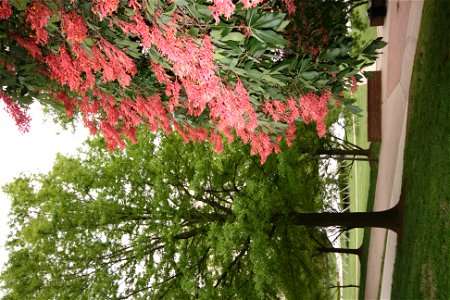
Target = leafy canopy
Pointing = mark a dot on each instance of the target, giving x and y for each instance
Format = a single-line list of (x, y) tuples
[(205, 69), (164, 219)]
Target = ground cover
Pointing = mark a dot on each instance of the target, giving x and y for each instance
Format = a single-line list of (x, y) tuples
[(423, 255)]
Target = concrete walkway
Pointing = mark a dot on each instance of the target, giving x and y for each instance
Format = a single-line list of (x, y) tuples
[(401, 31)]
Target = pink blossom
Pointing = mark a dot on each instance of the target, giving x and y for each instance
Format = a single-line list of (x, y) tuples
[(139, 28), (5, 10), (37, 15), (290, 5), (112, 136), (315, 108), (222, 8), (19, 114), (293, 113), (174, 90), (216, 139), (129, 113), (74, 27), (122, 65), (261, 144), (130, 132), (68, 103), (354, 86), (196, 134), (290, 134), (63, 70), (161, 75), (30, 45), (134, 4), (104, 8), (154, 112), (250, 3)]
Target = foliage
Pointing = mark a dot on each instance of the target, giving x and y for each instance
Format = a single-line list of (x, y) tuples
[(207, 70), (165, 220)]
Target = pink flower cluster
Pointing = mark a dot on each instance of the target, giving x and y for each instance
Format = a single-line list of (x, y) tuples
[(5, 10), (222, 8), (74, 27), (139, 28), (19, 114), (37, 15), (226, 8), (192, 62), (30, 45), (310, 106), (230, 107), (185, 70), (104, 8), (354, 86), (68, 68), (315, 108), (290, 6)]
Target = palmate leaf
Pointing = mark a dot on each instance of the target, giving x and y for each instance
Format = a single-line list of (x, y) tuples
[(330, 54), (373, 46), (270, 37), (268, 21), (354, 109), (310, 76), (233, 36)]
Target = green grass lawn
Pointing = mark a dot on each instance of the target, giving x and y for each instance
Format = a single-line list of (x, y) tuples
[(358, 182), (422, 268)]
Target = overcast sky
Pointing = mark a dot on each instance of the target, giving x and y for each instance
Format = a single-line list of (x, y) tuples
[(31, 152)]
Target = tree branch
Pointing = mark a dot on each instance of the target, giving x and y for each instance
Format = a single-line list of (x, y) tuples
[(235, 260)]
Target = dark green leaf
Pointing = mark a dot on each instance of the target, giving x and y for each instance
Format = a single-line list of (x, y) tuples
[(268, 20), (233, 36), (353, 109), (310, 76), (270, 37)]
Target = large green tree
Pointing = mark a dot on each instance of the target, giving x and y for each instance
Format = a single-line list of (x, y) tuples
[(164, 219)]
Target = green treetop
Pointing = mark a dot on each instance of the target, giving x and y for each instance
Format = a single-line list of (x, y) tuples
[(164, 219)]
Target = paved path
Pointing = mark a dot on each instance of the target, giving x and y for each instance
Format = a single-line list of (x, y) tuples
[(401, 32)]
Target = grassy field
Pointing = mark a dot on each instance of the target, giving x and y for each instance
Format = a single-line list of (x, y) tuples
[(422, 269), (358, 182)]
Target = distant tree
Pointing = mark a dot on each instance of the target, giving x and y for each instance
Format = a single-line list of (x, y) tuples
[(331, 146), (207, 69)]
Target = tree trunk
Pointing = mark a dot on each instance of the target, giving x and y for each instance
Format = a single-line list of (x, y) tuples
[(389, 219), (344, 286), (345, 154), (332, 152), (356, 251)]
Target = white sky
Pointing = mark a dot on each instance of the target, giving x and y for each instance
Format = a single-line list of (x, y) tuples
[(32, 152)]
